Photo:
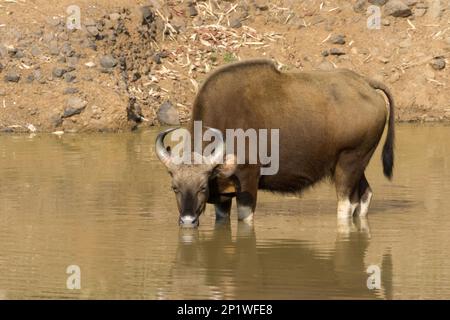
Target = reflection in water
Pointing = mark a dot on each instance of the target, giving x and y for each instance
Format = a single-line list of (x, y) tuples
[(241, 268), (103, 202)]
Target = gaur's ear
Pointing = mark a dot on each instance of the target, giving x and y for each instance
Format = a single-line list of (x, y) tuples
[(226, 169)]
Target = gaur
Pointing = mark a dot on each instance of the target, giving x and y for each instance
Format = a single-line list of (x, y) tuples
[(330, 123)]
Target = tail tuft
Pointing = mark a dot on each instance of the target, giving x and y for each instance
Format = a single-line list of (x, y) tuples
[(388, 159), (388, 148)]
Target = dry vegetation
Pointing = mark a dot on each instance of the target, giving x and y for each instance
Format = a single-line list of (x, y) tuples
[(141, 62)]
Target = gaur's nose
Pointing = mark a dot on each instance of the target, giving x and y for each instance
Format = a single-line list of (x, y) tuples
[(188, 221)]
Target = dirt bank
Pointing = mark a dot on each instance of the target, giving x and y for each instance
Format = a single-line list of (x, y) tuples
[(139, 63)]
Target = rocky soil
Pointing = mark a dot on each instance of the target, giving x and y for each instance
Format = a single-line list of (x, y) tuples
[(140, 63)]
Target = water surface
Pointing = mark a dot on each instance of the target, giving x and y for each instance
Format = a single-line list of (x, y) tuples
[(103, 202)]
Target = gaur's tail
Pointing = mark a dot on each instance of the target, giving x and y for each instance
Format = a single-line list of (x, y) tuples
[(388, 148)]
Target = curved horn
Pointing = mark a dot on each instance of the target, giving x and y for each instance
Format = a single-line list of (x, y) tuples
[(219, 151), (161, 151)]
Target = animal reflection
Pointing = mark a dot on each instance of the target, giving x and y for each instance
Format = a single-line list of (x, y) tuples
[(220, 265)]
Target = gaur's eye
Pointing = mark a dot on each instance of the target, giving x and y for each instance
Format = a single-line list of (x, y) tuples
[(175, 189), (203, 190)]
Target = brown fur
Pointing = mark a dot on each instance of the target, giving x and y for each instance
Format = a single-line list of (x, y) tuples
[(330, 123)]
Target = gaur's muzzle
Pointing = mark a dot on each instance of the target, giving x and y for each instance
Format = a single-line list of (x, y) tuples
[(189, 221)]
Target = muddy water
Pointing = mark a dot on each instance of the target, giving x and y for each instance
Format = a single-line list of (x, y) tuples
[(103, 203)]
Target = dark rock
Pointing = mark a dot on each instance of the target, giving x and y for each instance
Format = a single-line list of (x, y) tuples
[(108, 61), (12, 76), (160, 55), (336, 52), (157, 58), (360, 6), (134, 111), (337, 39), (261, 5), (325, 53), (67, 50), (69, 77), (168, 114), (7, 130), (58, 72), (438, 63), (30, 78), (192, 10), (19, 54), (236, 23), (397, 8), (70, 90), (147, 15), (135, 76), (378, 2), (75, 105)]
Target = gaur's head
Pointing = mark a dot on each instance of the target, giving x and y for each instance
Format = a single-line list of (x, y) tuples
[(190, 182)]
